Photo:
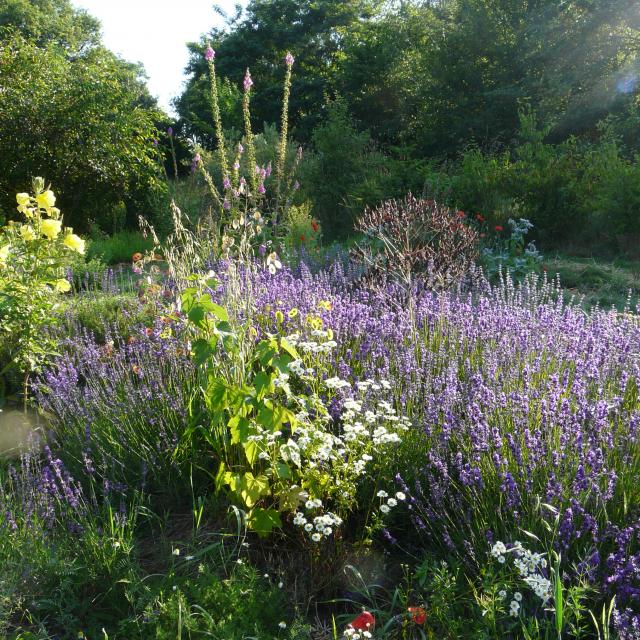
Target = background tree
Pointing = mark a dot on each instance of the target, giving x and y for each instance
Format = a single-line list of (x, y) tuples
[(50, 21), (313, 30), (85, 123)]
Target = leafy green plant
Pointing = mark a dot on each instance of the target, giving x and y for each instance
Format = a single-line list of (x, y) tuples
[(119, 247), (511, 253), (275, 447), (33, 255)]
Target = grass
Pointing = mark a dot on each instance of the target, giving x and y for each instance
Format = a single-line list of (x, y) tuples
[(598, 281), (119, 247)]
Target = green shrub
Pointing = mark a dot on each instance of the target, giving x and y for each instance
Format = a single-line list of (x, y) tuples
[(106, 313), (341, 176), (119, 247)]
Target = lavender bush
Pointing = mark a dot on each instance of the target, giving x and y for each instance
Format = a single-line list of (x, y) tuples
[(519, 400)]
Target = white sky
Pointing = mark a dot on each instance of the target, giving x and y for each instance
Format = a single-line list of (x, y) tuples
[(155, 33)]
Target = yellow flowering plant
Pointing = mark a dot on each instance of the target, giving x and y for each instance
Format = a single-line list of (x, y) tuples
[(34, 251)]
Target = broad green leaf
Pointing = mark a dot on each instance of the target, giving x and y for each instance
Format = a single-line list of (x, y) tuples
[(240, 429), (263, 521), (249, 488), (289, 348)]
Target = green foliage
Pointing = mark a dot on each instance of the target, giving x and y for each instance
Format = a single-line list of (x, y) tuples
[(509, 252), (202, 603), (50, 21), (259, 38), (85, 122), (268, 426), (33, 255), (340, 177), (105, 313), (303, 230), (119, 247)]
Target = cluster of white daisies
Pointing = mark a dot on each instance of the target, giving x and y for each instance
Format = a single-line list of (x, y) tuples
[(530, 566)]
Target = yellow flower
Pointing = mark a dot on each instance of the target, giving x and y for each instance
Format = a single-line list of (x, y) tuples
[(27, 232), (62, 286), (46, 199), (51, 228), (4, 254), (292, 313), (279, 317), (325, 304), (23, 199), (74, 242)]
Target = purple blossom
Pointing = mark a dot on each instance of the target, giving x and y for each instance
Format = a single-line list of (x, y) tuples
[(209, 54), (289, 59), (247, 82)]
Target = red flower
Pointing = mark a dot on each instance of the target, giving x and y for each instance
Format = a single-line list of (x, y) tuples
[(479, 217), (302, 238), (499, 228), (418, 614), (460, 214), (136, 257), (364, 622), (314, 225)]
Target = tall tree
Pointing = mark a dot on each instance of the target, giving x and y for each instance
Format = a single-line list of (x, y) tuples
[(83, 123), (47, 21), (258, 38), (492, 56)]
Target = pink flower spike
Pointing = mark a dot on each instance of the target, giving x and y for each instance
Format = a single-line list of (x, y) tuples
[(289, 59), (248, 82), (209, 54)]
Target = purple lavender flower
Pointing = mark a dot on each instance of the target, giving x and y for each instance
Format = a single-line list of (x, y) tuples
[(209, 54), (170, 131)]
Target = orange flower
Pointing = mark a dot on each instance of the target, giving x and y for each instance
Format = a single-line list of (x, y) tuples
[(418, 614), (302, 238), (460, 214)]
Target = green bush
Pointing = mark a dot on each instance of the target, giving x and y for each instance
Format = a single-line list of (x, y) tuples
[(84, 122), (119, 247), (341, 176)]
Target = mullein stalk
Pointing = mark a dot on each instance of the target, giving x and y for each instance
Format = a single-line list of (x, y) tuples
[(217, 120), (284, 132), (251, 149)]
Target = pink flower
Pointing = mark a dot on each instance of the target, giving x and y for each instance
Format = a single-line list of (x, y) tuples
[(289, 59), (261, 189), (248, 82), (209, 54)]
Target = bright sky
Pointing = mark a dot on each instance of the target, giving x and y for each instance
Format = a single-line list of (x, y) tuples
[(155, 33)]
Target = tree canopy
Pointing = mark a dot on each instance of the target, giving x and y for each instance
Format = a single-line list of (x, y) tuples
[(85, 123), (50, 21)]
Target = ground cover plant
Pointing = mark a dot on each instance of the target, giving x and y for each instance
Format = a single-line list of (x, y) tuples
[(240, 433)]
